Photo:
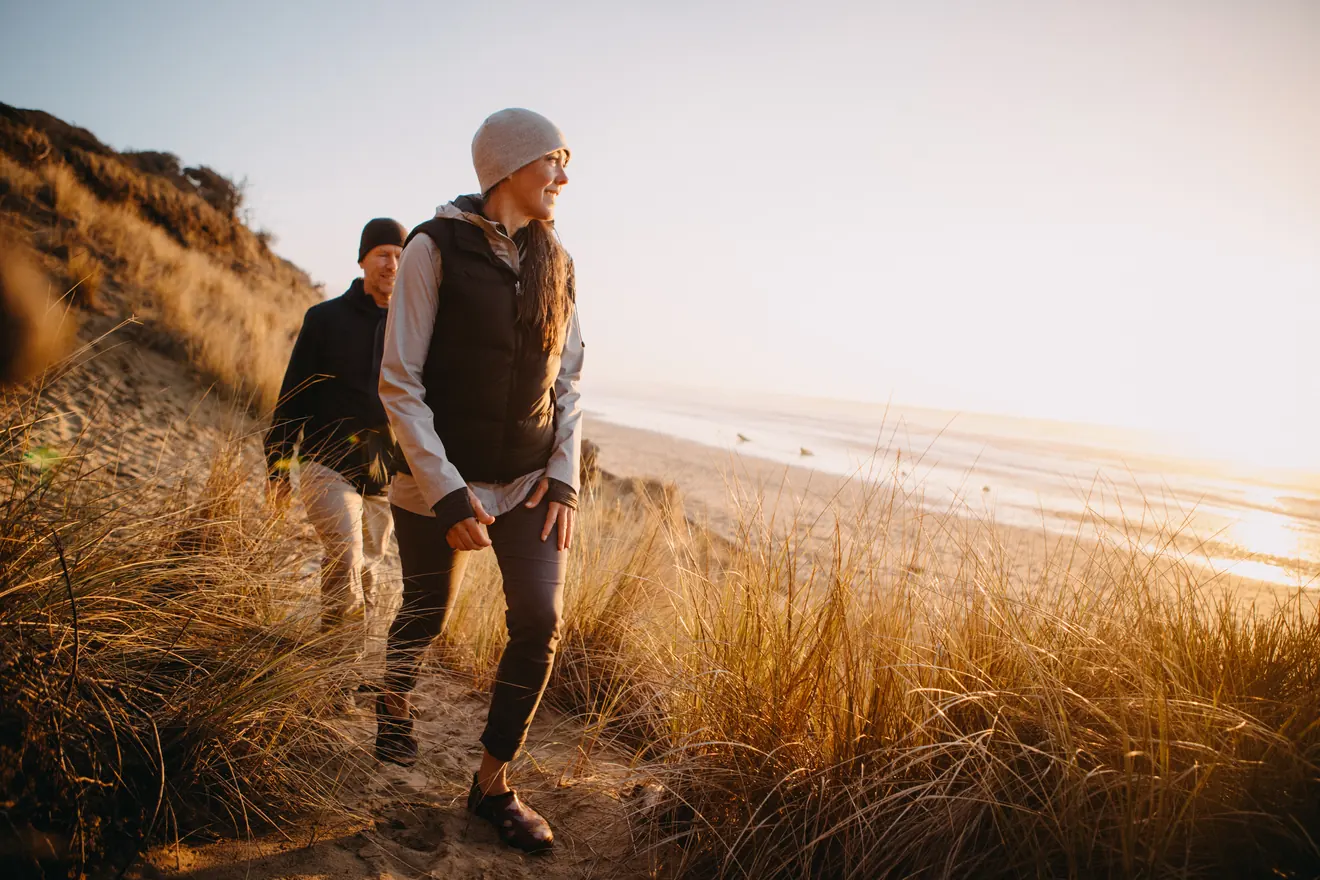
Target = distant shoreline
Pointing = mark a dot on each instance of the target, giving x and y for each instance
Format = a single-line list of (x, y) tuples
[(712, 482), (1152, 448)]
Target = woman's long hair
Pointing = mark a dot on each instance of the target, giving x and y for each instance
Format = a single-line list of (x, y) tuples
[(547, 295)]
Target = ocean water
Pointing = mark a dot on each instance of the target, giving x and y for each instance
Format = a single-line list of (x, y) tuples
[(1257, 523)]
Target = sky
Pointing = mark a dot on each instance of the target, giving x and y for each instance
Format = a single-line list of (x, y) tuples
[(1104, 212)]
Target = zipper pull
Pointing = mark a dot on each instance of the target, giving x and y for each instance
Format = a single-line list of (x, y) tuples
[(517, 288)]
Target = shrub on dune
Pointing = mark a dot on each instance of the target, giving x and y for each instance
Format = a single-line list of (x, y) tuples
[(152, 681)]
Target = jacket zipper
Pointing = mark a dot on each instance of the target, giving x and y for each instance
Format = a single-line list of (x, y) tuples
[(513, 379), (517, 358)]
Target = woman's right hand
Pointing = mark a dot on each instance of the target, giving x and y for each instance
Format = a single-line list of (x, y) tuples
[(470, 533)]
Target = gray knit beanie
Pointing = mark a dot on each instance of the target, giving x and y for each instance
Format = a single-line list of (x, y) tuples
[(510, 139)]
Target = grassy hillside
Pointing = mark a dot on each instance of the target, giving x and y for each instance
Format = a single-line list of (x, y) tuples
[(147, 687), (139, 235)]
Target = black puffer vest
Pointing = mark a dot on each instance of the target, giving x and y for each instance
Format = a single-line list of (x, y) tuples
[(487, 379)]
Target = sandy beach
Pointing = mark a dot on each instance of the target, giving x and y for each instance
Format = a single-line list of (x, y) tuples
[(722, 488)]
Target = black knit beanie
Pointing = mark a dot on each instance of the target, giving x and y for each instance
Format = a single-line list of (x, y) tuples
[(381, 231)]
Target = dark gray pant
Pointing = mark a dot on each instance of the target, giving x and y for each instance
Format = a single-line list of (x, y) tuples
[(533, 572)]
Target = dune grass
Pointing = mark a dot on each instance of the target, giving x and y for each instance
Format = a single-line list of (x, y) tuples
[(904, 703), (152, 684), (136, 236), (237, 329), (898, 701), (1106, 723)]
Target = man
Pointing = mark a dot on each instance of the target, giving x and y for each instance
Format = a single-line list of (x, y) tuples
[(330, 415)]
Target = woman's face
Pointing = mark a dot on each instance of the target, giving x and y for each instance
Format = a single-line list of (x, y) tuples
[(535, 186)]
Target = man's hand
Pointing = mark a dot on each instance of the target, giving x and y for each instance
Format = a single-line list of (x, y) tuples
[(557, 514), (470, 533)]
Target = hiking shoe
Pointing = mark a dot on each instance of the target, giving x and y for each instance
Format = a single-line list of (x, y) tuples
[(517, 824)]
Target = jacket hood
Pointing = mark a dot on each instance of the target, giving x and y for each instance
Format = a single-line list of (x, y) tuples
[(357, 296), (466, 208)]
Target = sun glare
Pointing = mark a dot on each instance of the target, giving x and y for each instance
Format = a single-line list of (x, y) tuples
[(1262, 529)]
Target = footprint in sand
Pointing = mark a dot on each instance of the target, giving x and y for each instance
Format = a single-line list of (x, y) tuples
[(404, 781), (454, 764), (419, 827)]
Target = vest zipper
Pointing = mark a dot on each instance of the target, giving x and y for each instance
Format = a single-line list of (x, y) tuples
[(513, 379)]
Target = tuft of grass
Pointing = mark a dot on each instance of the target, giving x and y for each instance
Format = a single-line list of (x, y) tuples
[(85, 274), (153, 682)]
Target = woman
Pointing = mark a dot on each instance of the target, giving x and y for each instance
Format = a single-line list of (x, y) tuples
[(480, 382)]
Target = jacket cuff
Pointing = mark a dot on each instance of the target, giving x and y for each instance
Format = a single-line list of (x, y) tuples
[(453, 508), (561, 493)]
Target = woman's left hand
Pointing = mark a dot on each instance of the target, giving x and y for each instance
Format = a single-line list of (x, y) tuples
[(557, 514)]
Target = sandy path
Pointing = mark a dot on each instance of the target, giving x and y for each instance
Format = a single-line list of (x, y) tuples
[(416, 824), (413, 821), (133, 413)]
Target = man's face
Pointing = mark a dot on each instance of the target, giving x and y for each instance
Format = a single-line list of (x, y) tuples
[(535, 186), (379, 269)]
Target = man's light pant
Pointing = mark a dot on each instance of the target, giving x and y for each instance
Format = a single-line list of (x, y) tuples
[(354, 532)]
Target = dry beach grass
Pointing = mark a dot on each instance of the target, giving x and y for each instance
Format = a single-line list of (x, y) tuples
[(150, 685), (867, 712), (132, 235)]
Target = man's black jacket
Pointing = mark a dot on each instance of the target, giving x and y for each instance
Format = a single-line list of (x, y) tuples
[(329, 405)]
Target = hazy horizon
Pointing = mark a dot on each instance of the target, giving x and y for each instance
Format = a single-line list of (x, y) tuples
[(1109, 442), (1103, 213)]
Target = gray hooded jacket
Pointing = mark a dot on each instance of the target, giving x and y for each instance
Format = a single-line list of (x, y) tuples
[(407, 342)]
